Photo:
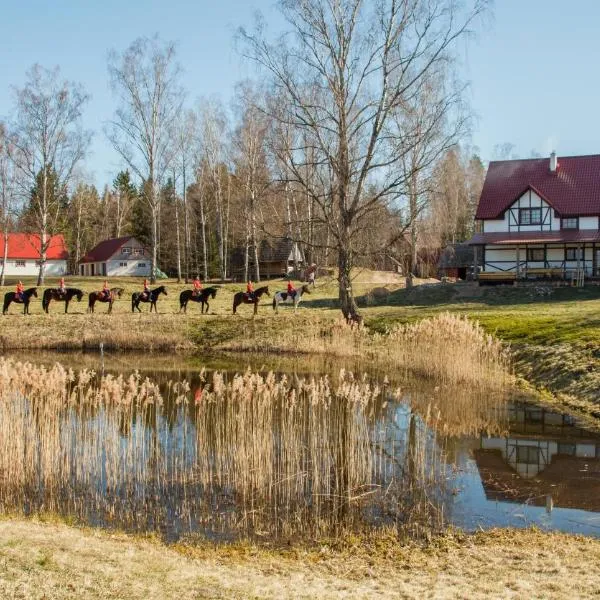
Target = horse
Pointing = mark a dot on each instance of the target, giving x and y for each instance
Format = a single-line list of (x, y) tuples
[(57, 295), (152, 297), (244, 298), (203, 296), (100, 297), (12, 297), (285, 298)]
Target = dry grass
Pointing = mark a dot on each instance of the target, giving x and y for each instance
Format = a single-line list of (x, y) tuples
[(248, 454), (53, 561)]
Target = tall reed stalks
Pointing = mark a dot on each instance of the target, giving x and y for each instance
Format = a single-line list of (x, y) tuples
[(248, 454)]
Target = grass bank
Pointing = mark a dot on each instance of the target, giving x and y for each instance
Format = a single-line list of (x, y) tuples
[(54, 561), (553, 333)]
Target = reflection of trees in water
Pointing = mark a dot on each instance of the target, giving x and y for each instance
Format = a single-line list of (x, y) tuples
[(250, 454)]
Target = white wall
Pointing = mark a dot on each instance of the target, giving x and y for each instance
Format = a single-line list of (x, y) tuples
[(54, 268), (588, 222), (140, 267)]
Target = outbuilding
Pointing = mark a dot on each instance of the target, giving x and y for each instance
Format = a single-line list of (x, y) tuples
[(117, 257)]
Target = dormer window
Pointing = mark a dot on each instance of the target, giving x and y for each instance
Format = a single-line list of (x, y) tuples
[(530, 216), (569, 223)]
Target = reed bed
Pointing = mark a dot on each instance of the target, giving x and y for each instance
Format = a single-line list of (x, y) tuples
[(250, 454), (446, 348)]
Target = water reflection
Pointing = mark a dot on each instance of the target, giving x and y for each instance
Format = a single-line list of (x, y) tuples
[(291, 453)]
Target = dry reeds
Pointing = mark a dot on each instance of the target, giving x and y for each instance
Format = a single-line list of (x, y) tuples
[(249, 454)]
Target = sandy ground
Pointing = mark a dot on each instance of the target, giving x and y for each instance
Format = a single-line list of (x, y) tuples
[(50, 561)]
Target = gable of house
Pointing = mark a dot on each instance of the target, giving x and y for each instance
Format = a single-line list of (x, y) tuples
[(117, 248), (282, 250), (26, 246)]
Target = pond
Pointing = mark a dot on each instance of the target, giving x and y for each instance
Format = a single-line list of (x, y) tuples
[(220, 448)]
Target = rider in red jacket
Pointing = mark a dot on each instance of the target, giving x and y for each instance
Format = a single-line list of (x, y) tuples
[(19, 291), (250, 290), (291, 290), (146, 292), (197, 286)]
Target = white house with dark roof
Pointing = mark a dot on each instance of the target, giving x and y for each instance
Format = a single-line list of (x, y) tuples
[(539, 218), (117, 257)]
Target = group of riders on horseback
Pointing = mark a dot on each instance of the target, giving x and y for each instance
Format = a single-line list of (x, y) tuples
[(197, 294)]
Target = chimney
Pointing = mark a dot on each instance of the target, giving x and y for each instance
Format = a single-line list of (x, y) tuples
[(553, 162)]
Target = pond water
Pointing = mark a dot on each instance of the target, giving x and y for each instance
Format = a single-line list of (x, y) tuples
[(302, 453)]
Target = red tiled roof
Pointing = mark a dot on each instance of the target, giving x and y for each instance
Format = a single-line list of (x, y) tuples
[(572, 190), (27, 246), (104, 250), (536, 237)]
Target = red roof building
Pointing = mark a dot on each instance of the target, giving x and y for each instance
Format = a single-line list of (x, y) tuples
[(23, 255), (27, 246), (116, 257), (539, 218)]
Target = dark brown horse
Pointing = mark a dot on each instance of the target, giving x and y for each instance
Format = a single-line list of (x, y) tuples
[(188, 296), (245, 298), (151, 297), (24, 300), (58, 296), (94, 297)]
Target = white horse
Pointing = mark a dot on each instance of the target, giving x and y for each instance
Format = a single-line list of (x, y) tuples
[(285, 298)]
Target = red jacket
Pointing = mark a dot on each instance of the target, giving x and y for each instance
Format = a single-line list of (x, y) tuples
[(291, 288)]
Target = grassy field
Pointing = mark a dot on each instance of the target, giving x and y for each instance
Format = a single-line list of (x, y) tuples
[(54, 561), (554, 333)]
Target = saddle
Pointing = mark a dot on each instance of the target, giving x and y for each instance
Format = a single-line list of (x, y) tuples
[(249, 296)]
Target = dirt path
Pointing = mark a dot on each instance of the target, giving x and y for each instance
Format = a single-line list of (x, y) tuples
[(53, 561)]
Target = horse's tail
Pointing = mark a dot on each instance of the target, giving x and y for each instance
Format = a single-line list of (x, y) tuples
[(274, 302), (133, 302)]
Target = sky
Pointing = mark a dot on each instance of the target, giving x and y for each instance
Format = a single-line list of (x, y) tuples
[(531, 66)]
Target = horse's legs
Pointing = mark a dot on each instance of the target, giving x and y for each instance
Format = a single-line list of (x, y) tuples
[(110, 307), (234, 306), (255, 307), (66, 306)]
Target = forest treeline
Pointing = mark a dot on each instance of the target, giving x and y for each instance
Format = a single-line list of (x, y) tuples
[(352, 140)]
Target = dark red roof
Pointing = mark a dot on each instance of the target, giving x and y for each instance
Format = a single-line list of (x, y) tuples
[(104, 250), (573, 189), (536, 237), (27, 246)]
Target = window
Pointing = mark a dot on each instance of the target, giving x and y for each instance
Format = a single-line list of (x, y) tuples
[(530, 216), (527, 455), (571, 253), (126, 250), (138, 251), (19, 263), (567, 449), (122, 264), (141, 265), (536, 255), (569, 223)]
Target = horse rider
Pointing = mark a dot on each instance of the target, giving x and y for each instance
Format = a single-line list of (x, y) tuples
[(146, 292), (250, 290), (197, 287), (62, 288), (19, 291), (106, 291), (291, 290)]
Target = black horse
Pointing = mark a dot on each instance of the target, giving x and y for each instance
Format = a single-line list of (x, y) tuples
[(188, 295), (151, 297), (58, 296), (101, 297), (245, 298), (24, 300)]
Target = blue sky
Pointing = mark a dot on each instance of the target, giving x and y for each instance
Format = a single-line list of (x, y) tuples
[(532, 67)]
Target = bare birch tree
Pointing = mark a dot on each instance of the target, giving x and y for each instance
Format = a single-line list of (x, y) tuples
[(186, 140), (146, 80), (251, 169), (48, 143), (213, 128), (9, 192), (345, 68)]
